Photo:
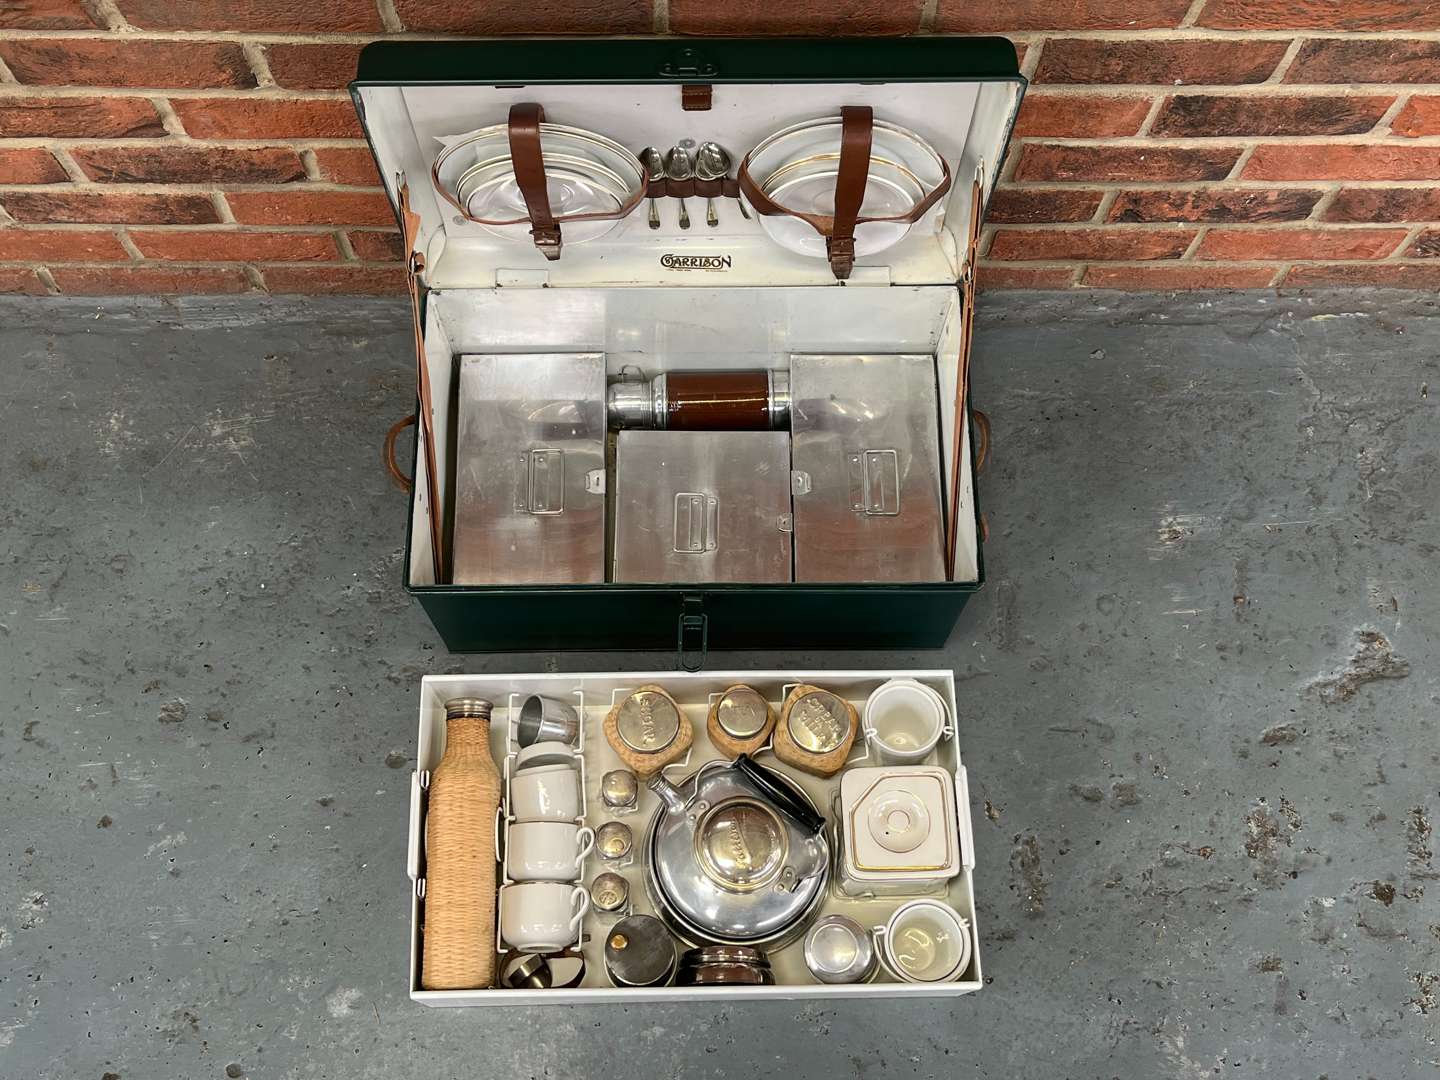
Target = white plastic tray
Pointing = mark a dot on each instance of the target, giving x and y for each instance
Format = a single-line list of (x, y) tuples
[(693, 691)]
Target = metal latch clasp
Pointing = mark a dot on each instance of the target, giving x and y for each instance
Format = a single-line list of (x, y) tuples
[(875, 482), (692, 639)]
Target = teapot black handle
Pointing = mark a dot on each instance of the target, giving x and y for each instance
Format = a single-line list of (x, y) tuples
[(785, 799)]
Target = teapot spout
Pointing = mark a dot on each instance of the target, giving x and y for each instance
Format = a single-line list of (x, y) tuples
[(675, 803)]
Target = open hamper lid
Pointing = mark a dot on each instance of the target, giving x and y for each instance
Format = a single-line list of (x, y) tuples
[(959, 94)]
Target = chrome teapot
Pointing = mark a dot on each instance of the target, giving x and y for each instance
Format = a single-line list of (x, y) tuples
[(736, 854)]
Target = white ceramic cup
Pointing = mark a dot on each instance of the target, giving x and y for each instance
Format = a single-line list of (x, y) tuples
[(925, 941), (904, 720), (545, 793), (547, 850), (542, 916)]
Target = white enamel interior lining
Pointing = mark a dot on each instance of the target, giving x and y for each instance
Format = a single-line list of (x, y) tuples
[(968, 123), (656, 329)]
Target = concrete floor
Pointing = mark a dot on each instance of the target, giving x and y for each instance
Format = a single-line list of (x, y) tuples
[(1200, 701)]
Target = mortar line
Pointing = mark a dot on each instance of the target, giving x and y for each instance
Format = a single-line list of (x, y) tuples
[(259, 64), (660, 16), (1322, 205), (43, 273), (70, 165), (109, 13), (389, 17), (1287, 60), (1387, 118), (1192, 13), (222, 208), (1238, 169), (928, 11), (346, 248), (128, 244), (1411, 234), (1107, 200)]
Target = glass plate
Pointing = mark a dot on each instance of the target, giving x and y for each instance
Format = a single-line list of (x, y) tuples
[(822, 136), (814, 193), (570, 193)]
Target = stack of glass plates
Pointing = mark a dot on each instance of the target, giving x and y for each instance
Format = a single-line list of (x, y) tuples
[(797, 167), (585, 173)]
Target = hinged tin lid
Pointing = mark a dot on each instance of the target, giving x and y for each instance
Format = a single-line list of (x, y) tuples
[(960, 94)]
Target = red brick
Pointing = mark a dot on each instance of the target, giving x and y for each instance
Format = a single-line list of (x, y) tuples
[(1337, 161), (347, 280), (837, 17), (1372, 60), (60, 245), (18, 280), (311, 208), (531, 16), (1141, 163), (89, 208), (1166, 278), (1385, 204), (1419, 116), (30, 166), (268, 118), (332, 16), (1426, 245), (205, 245), (347, 165), (87, 117), (169, 164), (1028, 206), (1253, 245), (377, 246), (313, 67), (966, 16), (1008, 276), (1396, 275), (1080, 116), (1213, 204), (1158, 63), (1199, 115), (45, 15), (125, 280), (1320, 15), (1056, 245), (127, 62)]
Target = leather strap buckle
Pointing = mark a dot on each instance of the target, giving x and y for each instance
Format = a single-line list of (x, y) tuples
[(547, 239), (840, 250)]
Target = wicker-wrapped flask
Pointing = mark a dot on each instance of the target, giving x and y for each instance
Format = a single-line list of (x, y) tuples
[(458, 944)]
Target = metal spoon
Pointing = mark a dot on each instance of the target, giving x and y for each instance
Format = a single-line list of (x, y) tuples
[(655, 166), (679, 166), (711, 163), (726, 161)]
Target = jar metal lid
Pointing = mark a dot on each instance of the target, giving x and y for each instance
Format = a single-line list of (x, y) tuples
[(609, 892), (613, 840), (619, 788), (742, 712), (639, 951), (839, 950), (819, 722), (648, 722)]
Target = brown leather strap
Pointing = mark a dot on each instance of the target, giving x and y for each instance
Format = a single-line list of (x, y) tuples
[(962, 373), (529, 165), (387, 454), (696, 97), (414, 264), (856, 127)]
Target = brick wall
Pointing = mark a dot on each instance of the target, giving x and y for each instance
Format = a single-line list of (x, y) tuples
[(207, 145)]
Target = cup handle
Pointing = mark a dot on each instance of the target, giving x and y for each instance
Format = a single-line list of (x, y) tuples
[(583, 894), (585, 839)]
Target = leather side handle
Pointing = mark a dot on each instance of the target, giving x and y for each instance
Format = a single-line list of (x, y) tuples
[(529, 165)]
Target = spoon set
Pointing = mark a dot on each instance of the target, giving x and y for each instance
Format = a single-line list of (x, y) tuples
[(688, 169)]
